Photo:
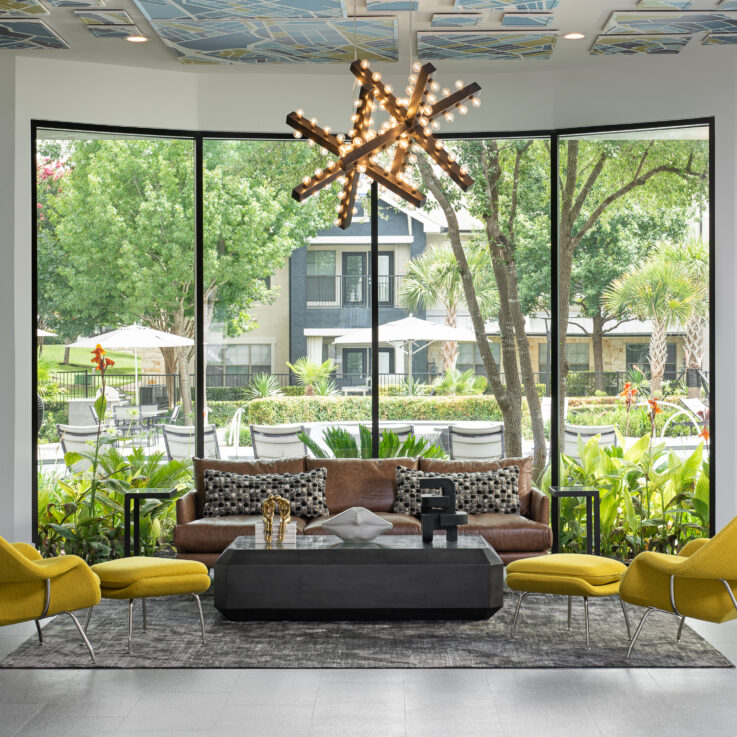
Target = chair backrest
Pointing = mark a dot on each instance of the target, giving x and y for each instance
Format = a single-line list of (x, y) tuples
[(149, 410), (401, 431), (277, 441), (179, 441), (15, 567), (77, 438), (126, 414), (175, 413), (93, 412), (477, 443), (572, 433)]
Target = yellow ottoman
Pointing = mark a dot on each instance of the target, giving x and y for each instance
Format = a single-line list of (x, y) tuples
[(140, 578), (569, 575)]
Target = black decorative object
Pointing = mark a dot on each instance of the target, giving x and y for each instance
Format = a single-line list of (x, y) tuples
[(593, 515), (438, 511)]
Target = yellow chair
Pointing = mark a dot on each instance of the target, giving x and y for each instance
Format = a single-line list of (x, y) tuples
[(700, 582), (566, 574), (33, 588), (140, 577)]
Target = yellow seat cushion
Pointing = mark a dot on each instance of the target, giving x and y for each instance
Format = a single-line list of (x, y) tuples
[(568, 574), (159, 576)]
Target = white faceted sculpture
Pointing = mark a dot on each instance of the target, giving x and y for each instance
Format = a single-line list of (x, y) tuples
[(357, 524)]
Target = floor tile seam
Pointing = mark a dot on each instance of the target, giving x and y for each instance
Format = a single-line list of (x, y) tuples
[(35, 713)]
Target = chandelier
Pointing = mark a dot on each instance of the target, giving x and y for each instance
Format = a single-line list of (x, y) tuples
[(412, 120)]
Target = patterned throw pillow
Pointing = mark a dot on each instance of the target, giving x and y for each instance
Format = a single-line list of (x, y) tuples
[(476, 493), (231, 493)]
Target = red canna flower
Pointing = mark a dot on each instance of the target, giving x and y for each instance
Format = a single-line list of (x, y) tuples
[(705, 434), (654, 407)]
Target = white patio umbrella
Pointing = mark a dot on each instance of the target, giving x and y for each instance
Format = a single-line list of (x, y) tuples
[(135, 337), (406, 334), (41, 333)]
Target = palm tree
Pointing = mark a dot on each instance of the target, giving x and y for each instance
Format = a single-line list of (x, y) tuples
[(660, 291), (693, 256), (434, 279)]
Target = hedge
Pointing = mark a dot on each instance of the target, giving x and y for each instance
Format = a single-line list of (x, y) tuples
[(282, 410)]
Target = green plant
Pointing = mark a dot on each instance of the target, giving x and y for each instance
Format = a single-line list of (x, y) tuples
[(638, 380), (309, 372), (325, 388), (343, 445), (262, 386), (412, 388), (46, 388), (455, 382)]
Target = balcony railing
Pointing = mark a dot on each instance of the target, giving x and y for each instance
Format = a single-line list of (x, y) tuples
[(352, 290)]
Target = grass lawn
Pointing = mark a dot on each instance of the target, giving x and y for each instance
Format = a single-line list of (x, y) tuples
[(80, 360)]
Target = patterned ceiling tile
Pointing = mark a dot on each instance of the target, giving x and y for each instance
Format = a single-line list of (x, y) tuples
[(719, 39), (390, 6), (664, 4), (454, 20), (485, 44), (281, 41), (506, 5), (527, 20), (671, 21), (22, 7), (639, 44), (29, 33), (103, 17), (114, 31), (76, 3), (234, 9)]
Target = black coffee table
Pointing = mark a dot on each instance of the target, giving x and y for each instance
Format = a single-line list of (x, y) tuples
[(392, 577)]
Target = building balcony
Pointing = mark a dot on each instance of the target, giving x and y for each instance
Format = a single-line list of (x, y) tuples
[(352, 291)]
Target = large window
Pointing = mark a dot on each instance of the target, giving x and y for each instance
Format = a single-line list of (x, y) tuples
[(580, 325)]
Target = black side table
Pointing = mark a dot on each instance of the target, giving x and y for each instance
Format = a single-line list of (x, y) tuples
[(593, 515), (134, 498)]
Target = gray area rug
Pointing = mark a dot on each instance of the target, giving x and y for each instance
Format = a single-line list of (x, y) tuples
[(543, 640)]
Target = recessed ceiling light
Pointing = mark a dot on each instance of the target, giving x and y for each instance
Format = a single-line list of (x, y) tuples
[(136, 39), (576, 36)]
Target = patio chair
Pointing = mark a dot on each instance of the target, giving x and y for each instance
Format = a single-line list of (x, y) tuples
[(77, 439), (401, 431), (179, 441), (277, 441), (476, 443), (571, 434), (127, 419)]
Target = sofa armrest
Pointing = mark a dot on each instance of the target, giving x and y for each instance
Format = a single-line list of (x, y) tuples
[(539, 506), (187, 508)]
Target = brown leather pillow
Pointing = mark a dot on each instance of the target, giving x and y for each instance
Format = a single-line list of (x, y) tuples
[(436, 465), (279, 465)]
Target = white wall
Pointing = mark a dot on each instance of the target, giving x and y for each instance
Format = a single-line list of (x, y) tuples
[(605, 91)]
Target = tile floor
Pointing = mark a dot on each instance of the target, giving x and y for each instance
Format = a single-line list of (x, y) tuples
[(370, 703)]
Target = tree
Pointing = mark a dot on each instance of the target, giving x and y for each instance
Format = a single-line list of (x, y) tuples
[(660, 291), (125, 228), (434, 278)]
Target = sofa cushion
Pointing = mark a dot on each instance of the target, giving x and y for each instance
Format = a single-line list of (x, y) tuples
[(354, 482), (437, 465), (280, 465), (403, 524), (214, 534), (509, 532), (476, 493)]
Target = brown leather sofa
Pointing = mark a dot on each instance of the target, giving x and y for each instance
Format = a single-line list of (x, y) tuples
[(365, 483)]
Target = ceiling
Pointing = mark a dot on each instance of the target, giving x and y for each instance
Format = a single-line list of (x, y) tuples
[(320, 35)]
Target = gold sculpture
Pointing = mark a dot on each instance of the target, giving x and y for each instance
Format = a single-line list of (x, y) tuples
[(270, 505)]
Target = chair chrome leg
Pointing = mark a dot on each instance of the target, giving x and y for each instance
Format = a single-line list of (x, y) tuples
[(626, 620), (202, 619), (143, 607), (130, 624), (586, 618), (40, 634), (83, 635), (570, 599), (516, 612), (87, 619), (680, 629), (637, 631)]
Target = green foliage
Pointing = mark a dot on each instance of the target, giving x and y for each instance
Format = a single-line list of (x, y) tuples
[(72, 522), (227, 394), (412, 388), (46, 387), (55, 412), (343, 445), (283, 410), (221, 413), (455, 382), (262, 386), (309, 372), (326, 388), (639, 419), (650, 498)]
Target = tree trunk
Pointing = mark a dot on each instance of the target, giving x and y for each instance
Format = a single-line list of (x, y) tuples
[(67, 350), (40, 346), (658, 355), (449, 349), (184, 386), (597, 340), (694, 348), (170, 369)]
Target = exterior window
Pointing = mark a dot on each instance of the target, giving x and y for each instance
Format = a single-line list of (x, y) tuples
[(577, 355), (321, 276), (637, 355), (233, 365), (358, 361), (469, 357)]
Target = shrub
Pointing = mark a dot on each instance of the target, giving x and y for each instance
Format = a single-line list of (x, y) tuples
[(226, 394), (282, 410), (55, 412), (221, 413)]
